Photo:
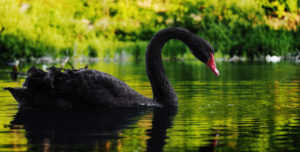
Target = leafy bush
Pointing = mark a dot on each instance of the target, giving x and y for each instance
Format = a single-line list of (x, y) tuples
[(35, 28)]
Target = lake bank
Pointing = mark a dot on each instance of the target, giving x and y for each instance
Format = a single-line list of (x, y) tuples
[(244, 28)]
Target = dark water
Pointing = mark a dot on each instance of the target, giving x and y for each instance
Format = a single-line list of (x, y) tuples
[(250, 107)]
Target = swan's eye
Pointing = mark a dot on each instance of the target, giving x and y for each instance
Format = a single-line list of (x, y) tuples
[(212, 65)]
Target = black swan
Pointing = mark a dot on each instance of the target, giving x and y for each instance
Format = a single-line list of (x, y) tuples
[(85, 88)]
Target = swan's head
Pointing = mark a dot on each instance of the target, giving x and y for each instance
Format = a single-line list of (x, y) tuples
[(212, 65), (205, 53)]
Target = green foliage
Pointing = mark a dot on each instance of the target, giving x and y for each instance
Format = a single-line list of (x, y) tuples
[(35, 28), (250, 41), (138, 50), (174, 48), (92, 52)]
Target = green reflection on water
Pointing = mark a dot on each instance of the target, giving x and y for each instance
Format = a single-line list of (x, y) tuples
[(251, 106)]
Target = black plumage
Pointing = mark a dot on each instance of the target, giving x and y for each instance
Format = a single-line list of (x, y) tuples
[(86, 88), (82, 88)]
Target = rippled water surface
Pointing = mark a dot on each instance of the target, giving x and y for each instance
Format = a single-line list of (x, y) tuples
[(250, 107)]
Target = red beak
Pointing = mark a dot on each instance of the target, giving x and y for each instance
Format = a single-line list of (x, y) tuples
[(212, 65)]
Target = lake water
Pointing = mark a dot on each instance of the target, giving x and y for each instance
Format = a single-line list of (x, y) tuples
[(250, 107)]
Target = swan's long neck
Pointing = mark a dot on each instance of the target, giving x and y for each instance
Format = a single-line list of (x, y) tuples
[(163, 92)]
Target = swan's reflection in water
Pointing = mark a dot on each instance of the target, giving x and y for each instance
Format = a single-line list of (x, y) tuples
[(85, 130)]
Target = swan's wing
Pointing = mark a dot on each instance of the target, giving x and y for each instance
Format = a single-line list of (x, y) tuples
[(81, 80), (83, 87), (86, 80)]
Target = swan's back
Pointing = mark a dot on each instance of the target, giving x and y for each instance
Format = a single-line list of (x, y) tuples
[(82, 88)]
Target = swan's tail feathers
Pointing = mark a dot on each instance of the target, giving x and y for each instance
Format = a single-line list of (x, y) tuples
[(7, 88), (18, 93)]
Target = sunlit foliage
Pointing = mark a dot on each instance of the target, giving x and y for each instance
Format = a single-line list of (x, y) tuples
[(34, 28)]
